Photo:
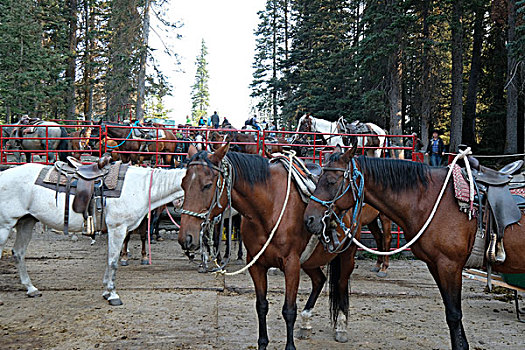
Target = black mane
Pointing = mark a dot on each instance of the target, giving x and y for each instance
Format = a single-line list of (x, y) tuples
[(248, 167), (393, 174)]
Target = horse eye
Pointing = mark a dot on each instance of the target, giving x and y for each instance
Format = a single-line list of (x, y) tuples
[(206, 187)]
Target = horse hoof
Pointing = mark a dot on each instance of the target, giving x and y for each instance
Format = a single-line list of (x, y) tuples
[(74, 238), (375, 269), (153, 241), (144, 262), (202, 269), (304, 333), (341, 337), (381, 274), (115, 302), (124, 263), (34, 294)]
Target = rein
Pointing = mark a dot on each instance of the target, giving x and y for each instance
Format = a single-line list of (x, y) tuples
[(358, 195)]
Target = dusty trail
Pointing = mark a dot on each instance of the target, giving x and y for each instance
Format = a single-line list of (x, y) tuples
[(170, 306)]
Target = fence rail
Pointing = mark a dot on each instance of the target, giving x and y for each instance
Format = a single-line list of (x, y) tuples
[(154, 149)]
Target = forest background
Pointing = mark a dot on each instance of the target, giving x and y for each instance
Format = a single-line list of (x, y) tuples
[(409, 66)]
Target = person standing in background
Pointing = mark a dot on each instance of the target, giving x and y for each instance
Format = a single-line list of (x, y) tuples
[(435, 149), (215, 120)]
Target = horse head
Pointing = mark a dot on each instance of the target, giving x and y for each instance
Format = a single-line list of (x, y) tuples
[(335, 192), (205, 195)]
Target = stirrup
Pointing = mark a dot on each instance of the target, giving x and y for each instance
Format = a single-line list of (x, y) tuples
[(500, 252), (491, 251)]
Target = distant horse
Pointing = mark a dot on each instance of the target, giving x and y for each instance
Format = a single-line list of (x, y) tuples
[(39, 137), (142, 230), (22, 204), (80, 142), (258, 193), (356, 127), (165, 144), (126, 142), (307, 123), (406, 192)]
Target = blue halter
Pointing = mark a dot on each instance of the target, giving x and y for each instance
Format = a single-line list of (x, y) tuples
[(358, 198)]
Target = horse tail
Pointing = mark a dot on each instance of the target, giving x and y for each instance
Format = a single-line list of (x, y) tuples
[(338, 302), (63, 145)]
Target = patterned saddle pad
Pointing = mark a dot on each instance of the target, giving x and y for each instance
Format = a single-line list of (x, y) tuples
[(113, 181)]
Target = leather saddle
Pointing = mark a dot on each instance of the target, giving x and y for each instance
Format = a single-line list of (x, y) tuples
[(88, 177), (494, 194)]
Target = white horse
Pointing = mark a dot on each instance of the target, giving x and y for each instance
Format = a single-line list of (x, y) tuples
[(22, 204), (307, 123)]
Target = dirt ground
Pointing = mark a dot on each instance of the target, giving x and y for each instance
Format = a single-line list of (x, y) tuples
[(168, 305)]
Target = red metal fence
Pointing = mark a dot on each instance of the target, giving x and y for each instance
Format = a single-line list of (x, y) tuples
[(153, 150)]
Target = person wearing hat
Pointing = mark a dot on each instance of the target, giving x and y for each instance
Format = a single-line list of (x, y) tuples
[(435, 149), (418, 145)]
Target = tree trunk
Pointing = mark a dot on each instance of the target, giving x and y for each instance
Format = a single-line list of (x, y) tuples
[(456, 117), (71, 60), (141, 93), (425, 84), (88, 62), (395, 101), (469, 126), (511, 141), (274, 62)]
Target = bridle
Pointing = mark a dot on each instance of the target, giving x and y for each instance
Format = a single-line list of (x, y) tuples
[(352, 175), (209, 253)]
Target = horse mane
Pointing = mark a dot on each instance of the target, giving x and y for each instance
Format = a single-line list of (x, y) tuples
[(251, 168), (393, 174)]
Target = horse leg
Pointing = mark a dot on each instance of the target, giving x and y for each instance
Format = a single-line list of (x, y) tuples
[(124, 252), (386, 224), (115, 240), (24, 233), (376, 232), (260, 282), (143, 236), (447, 275), (318, 280), (340, 270), (292, 270)]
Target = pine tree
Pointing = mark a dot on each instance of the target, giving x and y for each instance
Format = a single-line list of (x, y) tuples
[(200, 95)]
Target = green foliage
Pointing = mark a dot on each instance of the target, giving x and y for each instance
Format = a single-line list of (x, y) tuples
[(200, 95)]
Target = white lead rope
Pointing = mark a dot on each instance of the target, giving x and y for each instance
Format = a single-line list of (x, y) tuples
[(461, 155), (261, 252)]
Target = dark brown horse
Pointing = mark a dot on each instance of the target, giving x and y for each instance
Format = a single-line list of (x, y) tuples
[(258, 193), (406, 192), (142, 230)]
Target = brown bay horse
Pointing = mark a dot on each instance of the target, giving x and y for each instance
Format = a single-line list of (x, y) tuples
[(406, 192), (258, 193), (80, 142)]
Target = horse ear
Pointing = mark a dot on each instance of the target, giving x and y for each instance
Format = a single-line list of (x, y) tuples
[(217, 156), (348, 155), (192, 150), (337, 149)]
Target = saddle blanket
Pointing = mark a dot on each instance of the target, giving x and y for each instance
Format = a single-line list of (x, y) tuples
[(113, 181), (461, 186), (306, 182)]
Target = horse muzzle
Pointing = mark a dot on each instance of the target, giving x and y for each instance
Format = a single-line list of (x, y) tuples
[(187, 242), (313, 224)]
